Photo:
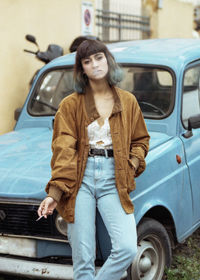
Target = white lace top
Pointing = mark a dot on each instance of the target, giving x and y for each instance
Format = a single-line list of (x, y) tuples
[(100, 136)]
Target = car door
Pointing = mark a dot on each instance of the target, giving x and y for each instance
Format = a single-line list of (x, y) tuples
[(191, 107)]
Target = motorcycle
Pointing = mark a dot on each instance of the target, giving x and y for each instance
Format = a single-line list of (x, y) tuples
[(52, 52)]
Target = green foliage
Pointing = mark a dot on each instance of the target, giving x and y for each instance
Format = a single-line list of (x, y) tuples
[(186, 260)]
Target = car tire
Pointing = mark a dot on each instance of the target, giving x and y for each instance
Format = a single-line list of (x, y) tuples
[(154, 252)]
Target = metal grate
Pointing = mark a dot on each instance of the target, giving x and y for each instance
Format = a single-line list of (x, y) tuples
[(17, 219), (114, 26)]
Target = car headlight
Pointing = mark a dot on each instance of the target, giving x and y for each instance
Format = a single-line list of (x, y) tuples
[(61, 225)]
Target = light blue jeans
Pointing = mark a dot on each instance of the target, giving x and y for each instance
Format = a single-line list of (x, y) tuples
[(98, 190)]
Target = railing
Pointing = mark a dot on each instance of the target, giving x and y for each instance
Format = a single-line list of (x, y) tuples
[(112, 26)]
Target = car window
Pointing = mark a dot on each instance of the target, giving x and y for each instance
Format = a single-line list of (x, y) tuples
[(54, 86), (191, 94), (153, 88)]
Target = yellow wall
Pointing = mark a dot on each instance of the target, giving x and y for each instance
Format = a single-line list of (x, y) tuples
[(174, 19), (51, 21)]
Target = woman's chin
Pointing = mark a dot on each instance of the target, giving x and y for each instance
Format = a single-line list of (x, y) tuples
[(98, 78)]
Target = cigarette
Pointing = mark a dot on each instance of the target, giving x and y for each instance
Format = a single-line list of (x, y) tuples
[(39, 218)]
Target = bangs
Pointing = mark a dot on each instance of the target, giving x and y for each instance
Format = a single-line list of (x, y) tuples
[(90, 47)]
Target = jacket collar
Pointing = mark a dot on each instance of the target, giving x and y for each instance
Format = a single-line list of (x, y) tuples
[(91, 109)]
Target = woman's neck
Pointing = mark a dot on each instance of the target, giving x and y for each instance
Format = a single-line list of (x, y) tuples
[(103, 99), (100, 87)]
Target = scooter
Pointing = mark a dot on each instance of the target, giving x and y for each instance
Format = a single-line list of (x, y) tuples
[(52, 52)]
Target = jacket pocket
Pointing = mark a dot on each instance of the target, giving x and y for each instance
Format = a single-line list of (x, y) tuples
[(130, 177)]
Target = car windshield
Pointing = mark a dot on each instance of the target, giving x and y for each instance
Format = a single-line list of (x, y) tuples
[(153, 88)]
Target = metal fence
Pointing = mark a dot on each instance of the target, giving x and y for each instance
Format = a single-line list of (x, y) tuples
[(114, 27)]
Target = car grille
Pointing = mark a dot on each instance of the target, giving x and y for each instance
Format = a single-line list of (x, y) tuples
[(18, 219)]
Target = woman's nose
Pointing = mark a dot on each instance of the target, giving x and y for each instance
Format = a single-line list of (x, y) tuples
[(94, 63)]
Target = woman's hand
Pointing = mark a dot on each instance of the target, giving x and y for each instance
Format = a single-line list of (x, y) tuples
[(135, 163), (47, 207)]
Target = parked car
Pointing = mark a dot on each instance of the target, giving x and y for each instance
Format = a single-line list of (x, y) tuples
[(164, 75)]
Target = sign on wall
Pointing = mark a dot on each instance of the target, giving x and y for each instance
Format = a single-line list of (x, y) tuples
[(87, 18)]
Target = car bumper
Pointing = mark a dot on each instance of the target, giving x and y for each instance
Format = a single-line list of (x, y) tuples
[(37, 270)]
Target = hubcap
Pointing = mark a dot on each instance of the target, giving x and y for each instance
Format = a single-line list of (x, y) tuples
[(149, 262)]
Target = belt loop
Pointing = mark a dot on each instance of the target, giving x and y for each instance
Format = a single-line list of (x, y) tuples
[(106, 153)]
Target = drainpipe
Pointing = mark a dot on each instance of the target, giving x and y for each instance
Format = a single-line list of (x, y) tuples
[(160, 4)]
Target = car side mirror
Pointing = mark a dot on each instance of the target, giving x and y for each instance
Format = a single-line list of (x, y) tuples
[(193, 123)]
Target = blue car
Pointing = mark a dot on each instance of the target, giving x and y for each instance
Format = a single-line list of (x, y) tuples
[(164, 75)]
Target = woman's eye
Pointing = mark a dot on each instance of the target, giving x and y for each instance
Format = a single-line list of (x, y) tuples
[(99, 57), (86, 61)]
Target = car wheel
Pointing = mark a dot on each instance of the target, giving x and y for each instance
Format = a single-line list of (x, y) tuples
[(154, 252)]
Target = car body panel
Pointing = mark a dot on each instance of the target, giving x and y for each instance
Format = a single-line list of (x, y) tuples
[(27, 154), (193, 159), (170, 183)]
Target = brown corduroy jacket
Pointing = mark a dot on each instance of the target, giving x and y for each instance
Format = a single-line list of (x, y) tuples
[(70, 146)]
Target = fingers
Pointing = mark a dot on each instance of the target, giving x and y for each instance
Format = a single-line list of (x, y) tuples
[(44, 208), (40, 209)]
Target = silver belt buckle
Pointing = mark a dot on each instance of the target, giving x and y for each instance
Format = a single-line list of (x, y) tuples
[(106, 153), (91, 155)]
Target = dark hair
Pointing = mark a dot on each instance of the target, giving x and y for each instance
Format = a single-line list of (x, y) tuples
[(87, 48), (78, 40)]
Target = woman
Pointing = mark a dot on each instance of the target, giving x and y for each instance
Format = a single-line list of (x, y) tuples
[(99, 144)]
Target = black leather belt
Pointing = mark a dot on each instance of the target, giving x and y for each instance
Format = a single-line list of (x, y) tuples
[(100, 152)]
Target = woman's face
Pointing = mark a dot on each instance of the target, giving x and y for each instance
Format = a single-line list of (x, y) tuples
[(95, 66)]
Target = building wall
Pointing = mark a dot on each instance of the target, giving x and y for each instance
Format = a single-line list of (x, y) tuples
[(51, 21), (174, 18)]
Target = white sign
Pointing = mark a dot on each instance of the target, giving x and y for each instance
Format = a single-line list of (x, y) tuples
[(87, 18)]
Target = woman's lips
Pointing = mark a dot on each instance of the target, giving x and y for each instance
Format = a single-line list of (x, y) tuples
[(96, 72)]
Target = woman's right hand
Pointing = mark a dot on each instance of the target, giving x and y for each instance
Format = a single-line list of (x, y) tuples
[(47, 207)]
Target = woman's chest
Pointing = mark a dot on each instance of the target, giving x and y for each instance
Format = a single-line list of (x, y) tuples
[(104, 107)]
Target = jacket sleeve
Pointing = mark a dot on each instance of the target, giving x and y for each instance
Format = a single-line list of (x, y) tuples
[(64, 158), (139, 139)]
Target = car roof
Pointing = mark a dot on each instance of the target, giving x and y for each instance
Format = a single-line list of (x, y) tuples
[(168, 52)]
